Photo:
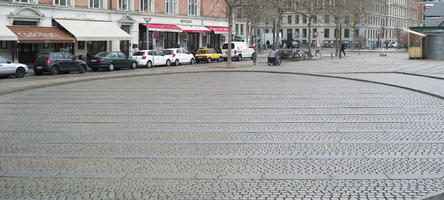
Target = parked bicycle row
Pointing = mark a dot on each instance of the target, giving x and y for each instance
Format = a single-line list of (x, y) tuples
[(276, 57), (63, 62)]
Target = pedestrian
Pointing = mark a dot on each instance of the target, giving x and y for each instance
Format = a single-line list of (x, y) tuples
[(254, 56), (343, 47)]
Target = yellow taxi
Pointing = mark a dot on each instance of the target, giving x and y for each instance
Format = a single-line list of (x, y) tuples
[(208, 55)]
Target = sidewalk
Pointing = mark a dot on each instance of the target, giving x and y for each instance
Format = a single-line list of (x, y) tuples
[(395, 70)]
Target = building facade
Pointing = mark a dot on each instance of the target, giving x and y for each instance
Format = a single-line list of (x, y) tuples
[(385, 19), (92, 26)]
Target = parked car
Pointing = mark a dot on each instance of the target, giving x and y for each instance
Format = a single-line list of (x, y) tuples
[(208, 55), (112, 60), (57, 62), (179, 56), (150, 58), (239, 50), (8, 68)]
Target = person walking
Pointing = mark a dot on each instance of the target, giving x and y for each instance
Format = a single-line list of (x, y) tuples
[(254, 55), (343, 47)]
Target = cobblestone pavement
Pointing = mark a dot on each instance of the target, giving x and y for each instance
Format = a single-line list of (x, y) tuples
[(220, 135)]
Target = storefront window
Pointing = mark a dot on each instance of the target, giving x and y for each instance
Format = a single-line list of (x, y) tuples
[(62, 2), (159, 41), (204, 41), (146, 6), (193, 7), (171, 6)]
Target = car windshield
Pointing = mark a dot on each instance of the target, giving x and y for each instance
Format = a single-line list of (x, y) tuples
[(139, 53), (202, 51), (102, 54), (168, 52)]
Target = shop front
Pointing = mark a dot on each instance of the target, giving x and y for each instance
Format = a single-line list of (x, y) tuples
[(33, 40), (218, 37), (193, 34), (8, 42), (168, 36), (94, 36)]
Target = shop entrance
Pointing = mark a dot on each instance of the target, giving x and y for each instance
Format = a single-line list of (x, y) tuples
[(26, 53), (193, 42)]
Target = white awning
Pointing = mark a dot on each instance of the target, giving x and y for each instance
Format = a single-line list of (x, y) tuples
[(414, 32), (94, 30), (6, 34)]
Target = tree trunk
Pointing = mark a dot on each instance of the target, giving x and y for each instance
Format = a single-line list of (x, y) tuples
[(278, 31), (230, 34), (337, 39), (309, 36)]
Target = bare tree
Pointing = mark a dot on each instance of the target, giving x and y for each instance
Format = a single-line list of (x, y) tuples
[(310, 9), (338, 10)]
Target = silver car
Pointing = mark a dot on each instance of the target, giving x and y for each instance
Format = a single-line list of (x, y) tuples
[(8, 68)]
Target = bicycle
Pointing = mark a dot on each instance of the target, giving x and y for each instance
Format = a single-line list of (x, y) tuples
[(318, 54)]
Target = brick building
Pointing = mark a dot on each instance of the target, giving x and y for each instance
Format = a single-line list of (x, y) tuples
[(98, 25)]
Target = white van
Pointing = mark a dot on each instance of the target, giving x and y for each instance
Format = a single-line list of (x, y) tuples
[(239, 50)]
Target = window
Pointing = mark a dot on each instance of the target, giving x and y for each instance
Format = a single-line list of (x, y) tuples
[(304, 33), (4, 44), (123, 4), (81, 44), (146, 6), (3, 60), (96, 3), (62, 3), (24, 1), (289, 19), (290, 34), (304, 19), (193, 7), (326, 33), (237, 29), (266, 30), (24, 23), (327, 19), (296, 33), (242, 29), (171, 6), (346, 33), (297, 19), (315, 32), (315, 19)]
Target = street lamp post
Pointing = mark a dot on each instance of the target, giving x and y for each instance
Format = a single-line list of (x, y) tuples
[(147, 20)]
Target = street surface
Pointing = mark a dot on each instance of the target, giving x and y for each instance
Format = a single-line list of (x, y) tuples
[(224, 133)]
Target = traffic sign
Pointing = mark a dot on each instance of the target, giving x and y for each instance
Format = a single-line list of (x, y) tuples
[(379, 35), (155, 34)]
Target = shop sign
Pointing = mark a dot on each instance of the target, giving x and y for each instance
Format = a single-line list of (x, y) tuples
[(186, 21)]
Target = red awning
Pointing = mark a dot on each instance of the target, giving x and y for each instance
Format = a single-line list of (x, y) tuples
[(194, 29), (219, 29), (35, 34), (164, 28)]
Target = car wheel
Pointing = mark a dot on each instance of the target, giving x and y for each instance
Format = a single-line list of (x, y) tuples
[(82, 69), (239, 58), (209, 60), (94, 69), (177, 62), (134, 65), (54, 70), (149, 64), (192, 61), (20, 73), (168, 63), (111, 67)]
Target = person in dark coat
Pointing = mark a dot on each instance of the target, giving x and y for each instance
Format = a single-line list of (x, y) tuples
[(343, 47)]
